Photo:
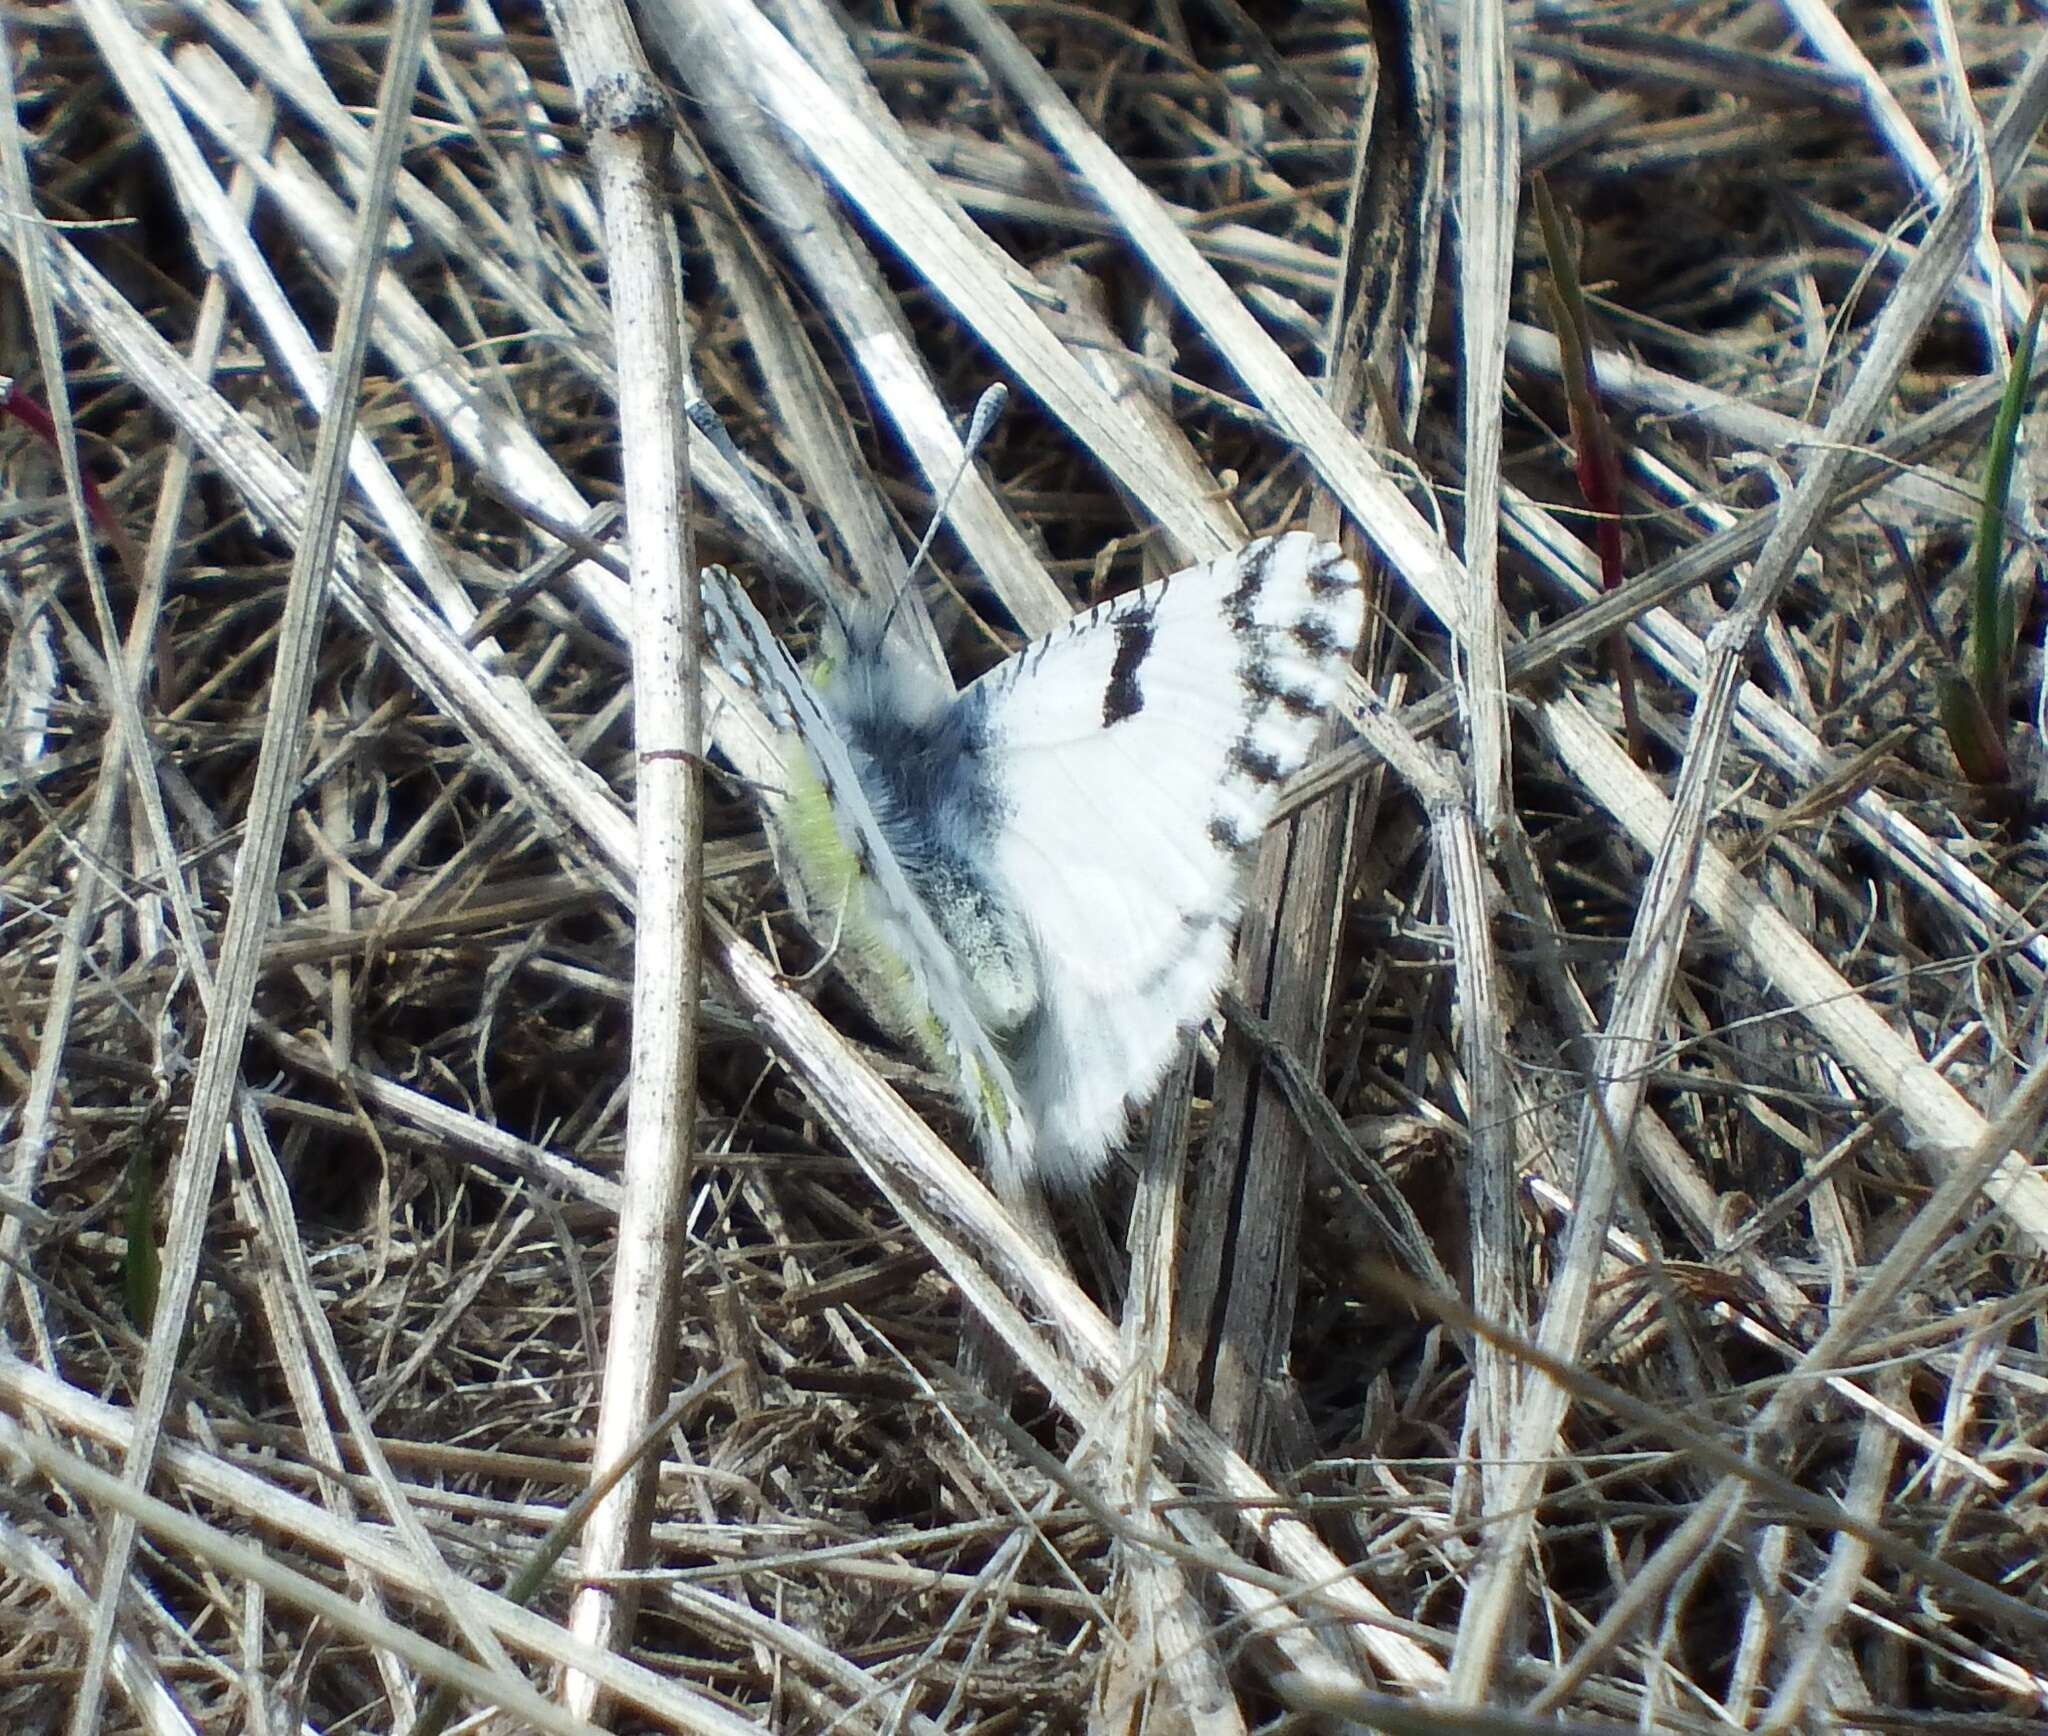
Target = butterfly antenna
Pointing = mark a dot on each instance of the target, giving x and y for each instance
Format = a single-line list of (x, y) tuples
[(771, 494), (706, 421), (988, 411), (773, 498)]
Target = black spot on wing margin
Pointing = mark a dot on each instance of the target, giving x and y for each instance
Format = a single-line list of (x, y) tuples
[(1259, 765), (1228, 836), (1331, 573), (1240, 604), (1255, 670)]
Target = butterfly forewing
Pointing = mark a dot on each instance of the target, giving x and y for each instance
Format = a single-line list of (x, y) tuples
[(1137, 756)]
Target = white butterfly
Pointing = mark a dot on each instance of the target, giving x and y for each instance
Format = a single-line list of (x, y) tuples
[(1045, 869)]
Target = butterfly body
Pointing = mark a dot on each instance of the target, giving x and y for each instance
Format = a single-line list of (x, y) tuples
[(1048, 864), (922, 757)]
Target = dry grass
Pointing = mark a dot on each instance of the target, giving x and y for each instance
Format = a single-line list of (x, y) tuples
[(1715, 1122)]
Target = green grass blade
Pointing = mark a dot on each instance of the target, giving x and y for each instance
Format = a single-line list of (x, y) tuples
[(141, 1273), (1991, 611)]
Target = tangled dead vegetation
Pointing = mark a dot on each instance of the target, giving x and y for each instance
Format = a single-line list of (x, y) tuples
[(1593, 1273)]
